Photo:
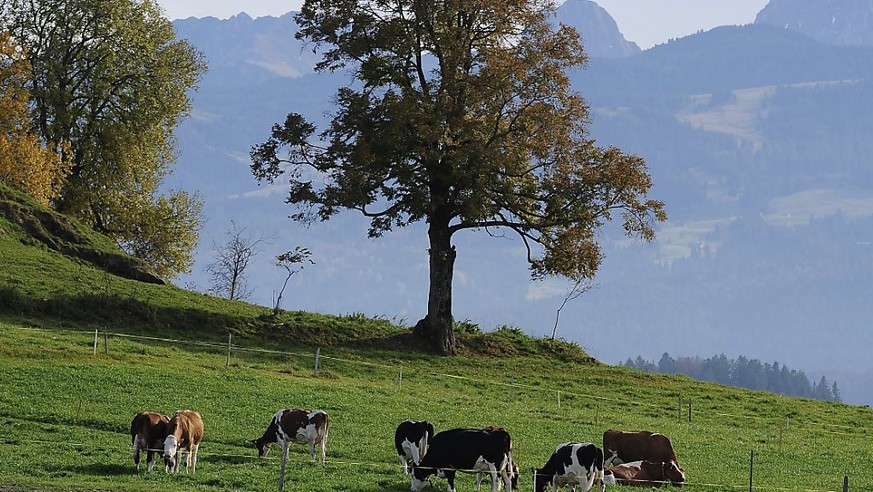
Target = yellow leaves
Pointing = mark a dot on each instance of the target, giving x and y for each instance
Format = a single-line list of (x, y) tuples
[(29, 167), (26, 164)]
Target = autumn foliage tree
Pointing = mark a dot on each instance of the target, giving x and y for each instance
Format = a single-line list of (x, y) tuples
[(462, 116), (108, 86), (26, 163)]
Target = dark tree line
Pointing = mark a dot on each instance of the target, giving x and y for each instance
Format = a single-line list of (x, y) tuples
[(743, 373)]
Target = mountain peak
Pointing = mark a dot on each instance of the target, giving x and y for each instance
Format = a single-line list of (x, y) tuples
[(839, 22), (600, 33)]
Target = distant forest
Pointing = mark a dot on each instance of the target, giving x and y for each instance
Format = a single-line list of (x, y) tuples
[(743, 373)]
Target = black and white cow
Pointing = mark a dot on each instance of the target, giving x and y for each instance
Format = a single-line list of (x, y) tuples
[(411, 439), (295, 425), (469, 451), (572, 464)]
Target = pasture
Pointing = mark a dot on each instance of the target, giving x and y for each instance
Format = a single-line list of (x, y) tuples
[(65, 415), (65, 411)]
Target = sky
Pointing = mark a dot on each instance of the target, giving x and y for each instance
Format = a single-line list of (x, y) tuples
[(645, 22)]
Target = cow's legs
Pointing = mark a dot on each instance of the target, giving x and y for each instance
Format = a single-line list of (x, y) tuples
[(507, 478), (150, 460), (194, 458), (495, 483), (450, 478), (135, 454)]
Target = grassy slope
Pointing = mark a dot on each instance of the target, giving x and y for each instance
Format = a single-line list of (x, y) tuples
[(64, 412)]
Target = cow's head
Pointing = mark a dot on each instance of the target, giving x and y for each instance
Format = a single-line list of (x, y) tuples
[(171, 453), (673, 473), (262, 445), (420, 476)]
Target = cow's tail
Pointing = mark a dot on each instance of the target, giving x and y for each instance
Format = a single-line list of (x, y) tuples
[(324, 438), (134, 430), (422, 447)]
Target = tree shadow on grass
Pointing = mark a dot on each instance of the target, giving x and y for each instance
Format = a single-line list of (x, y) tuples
[(113, 310), (102, 469)]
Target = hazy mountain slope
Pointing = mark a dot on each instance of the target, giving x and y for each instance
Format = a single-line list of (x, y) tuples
[(242, 51), (757, 139)]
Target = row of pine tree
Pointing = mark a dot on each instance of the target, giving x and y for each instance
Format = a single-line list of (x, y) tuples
[(743, 373)]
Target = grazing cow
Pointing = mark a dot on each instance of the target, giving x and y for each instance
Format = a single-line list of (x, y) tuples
[(466, 450), (147, 431), (571, 464), (648, 473), (184, 433), (410, 439), (626, 447), (295, 425)]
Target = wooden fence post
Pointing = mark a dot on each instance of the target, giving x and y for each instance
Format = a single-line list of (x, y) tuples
[(284, 463), (229, 341), (689, 412), (106, 341), (751, 468), (95, 340), (512, 388), (680, 407), (845, 483), (317, 357), (400, 377)]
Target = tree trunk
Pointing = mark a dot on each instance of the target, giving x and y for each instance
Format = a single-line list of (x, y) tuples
[(438, 326)]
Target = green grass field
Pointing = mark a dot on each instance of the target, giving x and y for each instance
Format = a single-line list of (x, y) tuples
[(65, 411), (65, 415)]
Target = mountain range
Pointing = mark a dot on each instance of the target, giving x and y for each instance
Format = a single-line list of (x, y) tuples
[(757, 138)]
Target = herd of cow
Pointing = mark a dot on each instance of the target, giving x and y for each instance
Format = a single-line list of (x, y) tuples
[(638, 458)]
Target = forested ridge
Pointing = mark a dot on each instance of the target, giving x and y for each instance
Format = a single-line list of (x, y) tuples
[(743, 372)]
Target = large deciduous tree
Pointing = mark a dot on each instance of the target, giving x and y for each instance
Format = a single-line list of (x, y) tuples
[(462, 116), (109, 78)]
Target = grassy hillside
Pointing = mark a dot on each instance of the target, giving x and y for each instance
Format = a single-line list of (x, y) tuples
[(65, 410)]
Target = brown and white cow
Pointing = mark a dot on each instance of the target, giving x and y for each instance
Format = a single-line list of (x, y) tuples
[(410, 440), (630, 446), (466, 450), (295, 425), (184, 433), (648, 473), (147, 432)]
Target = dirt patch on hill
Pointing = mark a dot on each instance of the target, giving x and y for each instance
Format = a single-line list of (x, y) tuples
[(63, 235)]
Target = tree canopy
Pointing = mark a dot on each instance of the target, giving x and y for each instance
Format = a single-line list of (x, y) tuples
[(25, 162), (108, 86), (462, 116)]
